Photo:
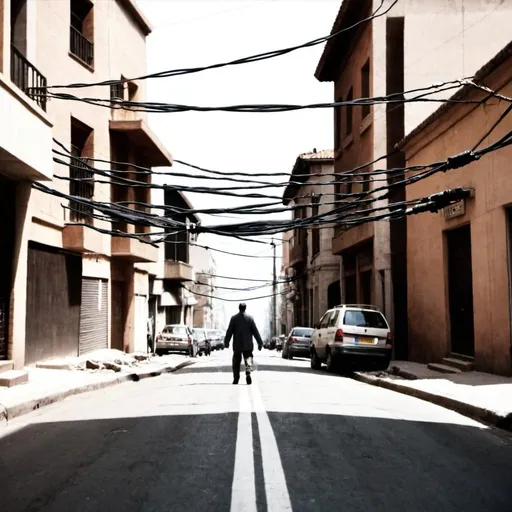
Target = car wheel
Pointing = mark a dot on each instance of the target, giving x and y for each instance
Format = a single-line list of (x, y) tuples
[(330, 362), (316, 364)]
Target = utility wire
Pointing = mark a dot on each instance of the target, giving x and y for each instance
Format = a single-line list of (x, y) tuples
[(244, 60)]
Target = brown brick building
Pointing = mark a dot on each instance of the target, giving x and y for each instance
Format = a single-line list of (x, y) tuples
[(459, 262)]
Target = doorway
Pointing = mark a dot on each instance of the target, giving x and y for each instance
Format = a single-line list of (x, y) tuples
[(460, 290), (7, 213), (333, 295)]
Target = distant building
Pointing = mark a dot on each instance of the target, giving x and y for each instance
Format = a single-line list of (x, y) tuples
[(312, 269)]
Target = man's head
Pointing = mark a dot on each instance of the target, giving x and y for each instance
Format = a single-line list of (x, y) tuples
[(242, 307)]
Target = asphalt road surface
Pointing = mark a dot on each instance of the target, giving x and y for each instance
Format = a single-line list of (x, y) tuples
[(295, 440)]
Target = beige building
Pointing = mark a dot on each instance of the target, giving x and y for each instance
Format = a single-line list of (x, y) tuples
[(460, 260), (67, 289), (314, 274), (170, 283), (414, 45)]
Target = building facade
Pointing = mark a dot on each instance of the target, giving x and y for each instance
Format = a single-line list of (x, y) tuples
[(311, 268), (460, 260), (389, 55), (70, 288), (204, 287)]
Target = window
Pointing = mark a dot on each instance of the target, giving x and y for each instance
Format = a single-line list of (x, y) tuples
[(315, 231), (117, 91), (372, 319), (334, 318), (82, 178), (337, 125), (82, 31), (305, 333), (349, 111), (365, 87)]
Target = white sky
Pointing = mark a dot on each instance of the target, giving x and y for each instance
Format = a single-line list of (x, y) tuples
[(196, 33)]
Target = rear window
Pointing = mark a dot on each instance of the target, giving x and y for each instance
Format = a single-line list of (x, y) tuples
[(303, 332), (372, 319), (177, 329)]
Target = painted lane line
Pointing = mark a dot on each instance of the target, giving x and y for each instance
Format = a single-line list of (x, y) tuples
[(276, 490), (243, 491)]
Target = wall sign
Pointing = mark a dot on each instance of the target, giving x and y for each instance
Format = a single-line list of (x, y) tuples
[(455, 210)]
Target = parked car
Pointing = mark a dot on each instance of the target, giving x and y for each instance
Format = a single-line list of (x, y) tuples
[(297, 342), (357, 334), (216, 339), (279, 342), (176, 338), (203, 342)]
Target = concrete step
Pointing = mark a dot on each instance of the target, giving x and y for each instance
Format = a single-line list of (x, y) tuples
[(460, 364), (13, 378), (6, 366), (442, 368), (469, 359)]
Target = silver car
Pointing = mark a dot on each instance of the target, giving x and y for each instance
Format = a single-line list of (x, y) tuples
[(297, 342), (176, 338)]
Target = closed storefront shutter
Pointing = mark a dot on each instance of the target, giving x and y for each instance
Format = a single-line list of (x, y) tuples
[(54, 281), (94, 315)]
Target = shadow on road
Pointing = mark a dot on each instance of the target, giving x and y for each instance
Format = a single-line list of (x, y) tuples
[(186, 463), (262, 368)]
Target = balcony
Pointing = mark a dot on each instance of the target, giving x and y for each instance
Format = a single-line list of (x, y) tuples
[(27, 78), (22, 122), (133, 250), (82, 239), (80, 47), (298, 250), (178, 271), (346, 238)]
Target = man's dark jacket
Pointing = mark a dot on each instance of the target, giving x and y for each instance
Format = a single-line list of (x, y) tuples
[(242, 328)]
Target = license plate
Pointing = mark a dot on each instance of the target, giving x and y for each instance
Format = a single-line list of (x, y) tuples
[(365, 341)]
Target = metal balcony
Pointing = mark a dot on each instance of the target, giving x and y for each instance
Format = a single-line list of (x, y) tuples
[(81, 47), (28, 78)]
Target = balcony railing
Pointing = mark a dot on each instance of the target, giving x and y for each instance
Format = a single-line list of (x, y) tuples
[(82, 186), (81, 47), (27, 78)]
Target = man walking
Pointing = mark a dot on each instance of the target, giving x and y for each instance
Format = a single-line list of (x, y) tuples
[(242, 328)]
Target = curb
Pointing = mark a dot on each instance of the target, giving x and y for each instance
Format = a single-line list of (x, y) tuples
[(471, 411), (9, 413)]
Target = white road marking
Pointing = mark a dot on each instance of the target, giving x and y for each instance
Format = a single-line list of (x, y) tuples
[(243, 491), (276, 490)]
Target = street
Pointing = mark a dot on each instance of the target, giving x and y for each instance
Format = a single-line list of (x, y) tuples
[(295, 440)]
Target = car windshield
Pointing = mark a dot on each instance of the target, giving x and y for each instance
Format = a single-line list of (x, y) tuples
[(303, 332), (199, 332), (177, 329), (365, 318)]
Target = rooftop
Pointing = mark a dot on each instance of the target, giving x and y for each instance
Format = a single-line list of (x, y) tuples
[(300, 170), (137, 15)]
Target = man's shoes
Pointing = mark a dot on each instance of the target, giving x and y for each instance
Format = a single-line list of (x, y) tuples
[(248, 378), (235, 380)]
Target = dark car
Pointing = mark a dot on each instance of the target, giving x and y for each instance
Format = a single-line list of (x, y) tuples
[(203, 341), (297, 343)]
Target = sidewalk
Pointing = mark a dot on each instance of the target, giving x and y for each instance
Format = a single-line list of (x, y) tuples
[(46, 386), (481, 396)]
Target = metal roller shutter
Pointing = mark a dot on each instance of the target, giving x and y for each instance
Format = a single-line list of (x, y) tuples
[(94, 315)]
